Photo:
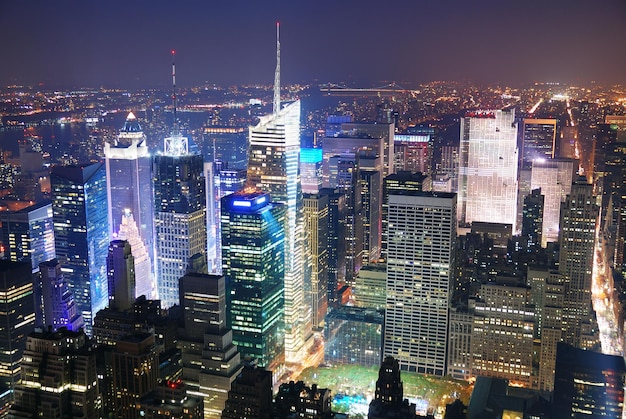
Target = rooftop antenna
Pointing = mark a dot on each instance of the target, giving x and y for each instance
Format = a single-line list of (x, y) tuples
[(277, 73), (175, 132)]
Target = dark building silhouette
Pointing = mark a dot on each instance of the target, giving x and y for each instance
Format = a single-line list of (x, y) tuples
[(587, 384), (297, 400), (389, 399), (250, 395), (169, 400)]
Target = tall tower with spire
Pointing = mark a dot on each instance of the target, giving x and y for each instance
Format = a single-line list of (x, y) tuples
[(179, 209), (273, 166), (129, 194)]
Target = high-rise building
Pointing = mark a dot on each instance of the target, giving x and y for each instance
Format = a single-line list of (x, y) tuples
[(180, 214), (298, 399), (554, 178), (336, 243), (253, 246), (57, 301), (459, 344), (311, 169), (130, 197), (211, 361), (488, 168), (532, 220), (587, 384), (250, 395), (135, 372), (577, 238), (502, 335), (170, 399), (144, 284), (413, 152), (81, 234), (59, 377), (316, 221), (370, 287), (615, 184), (389, 396), (353, 336), (121, 275), (420, 270), (28, 234), (17, 318), (399, 183), (273, 167), (538, 140)]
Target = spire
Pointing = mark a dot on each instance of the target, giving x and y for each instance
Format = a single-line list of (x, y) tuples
[(277, 73), (175, 129)]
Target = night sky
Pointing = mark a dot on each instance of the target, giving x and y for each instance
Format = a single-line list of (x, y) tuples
[(128, 43)]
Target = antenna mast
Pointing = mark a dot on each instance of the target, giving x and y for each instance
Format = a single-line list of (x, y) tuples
[(174, 104), (277, 73)]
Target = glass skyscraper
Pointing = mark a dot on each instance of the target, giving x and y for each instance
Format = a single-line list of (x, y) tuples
[(81, 230), (180, 218), (129, 193), (253, 246)]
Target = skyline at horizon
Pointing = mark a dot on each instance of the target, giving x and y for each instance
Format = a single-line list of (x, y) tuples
[(129, 45)]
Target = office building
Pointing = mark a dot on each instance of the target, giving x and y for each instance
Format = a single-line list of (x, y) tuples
[(121, 275), (615, 185), (130, 197), (502, 335), (370, 287), (81, 234), (299, 400), (57, 301), (399, 183), (311, 170), (273, 167), (413, 152), (28, 234), (59, 377), (532, 220), (170, 399), (336, 244), (17, 317), (538, 140), (577, 238), (554, 178), (488, 168), (459, 343), (211, 361), (369, 206), (587, 384), (316, 222), (353, 336), (250, 395), (253, 246), (420, 270), (135, 372), (180, 214)]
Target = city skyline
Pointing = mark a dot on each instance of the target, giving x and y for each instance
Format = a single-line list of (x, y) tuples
[(127, 45)]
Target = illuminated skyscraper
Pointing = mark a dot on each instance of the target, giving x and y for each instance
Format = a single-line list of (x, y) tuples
[(273, 167), (554, 177), (58, 306), (253, 246), (144, 285), (311, 170), (539, 140), (488, 168), (420, 270), (129, 193), (316, 216), (28, 234), (17, 318), (81, 233), (577, 238), (180, 214)]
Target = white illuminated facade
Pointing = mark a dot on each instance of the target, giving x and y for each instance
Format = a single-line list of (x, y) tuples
[(554, 177), (488, 168), (420, 269), (144, 285)]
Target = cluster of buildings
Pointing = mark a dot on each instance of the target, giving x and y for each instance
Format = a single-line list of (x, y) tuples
[(148, 281)]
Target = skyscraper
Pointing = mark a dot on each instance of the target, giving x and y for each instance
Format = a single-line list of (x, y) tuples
[(121, 275), (532, 220), (211, 361), (129, 193), (577, 238), (17, 318), (420, 270), (28, 234), (538, 141), (81, 233), (180, 214), (316, 218), (273, 167), (253, 246), (59, 307), (488, 168)]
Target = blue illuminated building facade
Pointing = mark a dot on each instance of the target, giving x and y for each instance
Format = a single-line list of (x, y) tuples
[(81, 230), (311, 170), (28, 234), (253, 244)]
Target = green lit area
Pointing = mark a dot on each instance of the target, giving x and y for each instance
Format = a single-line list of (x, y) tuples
[(427, 392)]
